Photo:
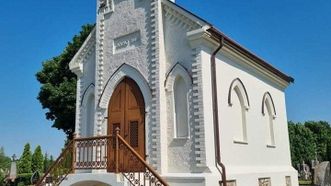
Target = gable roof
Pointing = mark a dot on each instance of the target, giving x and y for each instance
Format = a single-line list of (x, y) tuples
[(218, 34), (76, 64), (234, 45)]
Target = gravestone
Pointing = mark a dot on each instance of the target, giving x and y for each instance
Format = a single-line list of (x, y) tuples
[(304, 171), (13, 169), (322, 174)]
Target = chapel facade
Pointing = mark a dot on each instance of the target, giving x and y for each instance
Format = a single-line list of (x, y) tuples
[(194, 105)]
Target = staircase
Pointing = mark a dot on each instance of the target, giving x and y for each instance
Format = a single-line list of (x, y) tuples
[(102, 152)]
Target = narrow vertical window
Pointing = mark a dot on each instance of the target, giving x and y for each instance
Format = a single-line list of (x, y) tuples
[(238, 100), (269, 112), (90, 116), (270, 125), (181, 112), (178, 86), (239, 117)]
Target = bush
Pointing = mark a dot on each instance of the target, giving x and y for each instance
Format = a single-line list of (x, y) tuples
[(24, 179)]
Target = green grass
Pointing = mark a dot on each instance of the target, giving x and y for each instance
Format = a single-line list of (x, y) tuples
[(305, 182)]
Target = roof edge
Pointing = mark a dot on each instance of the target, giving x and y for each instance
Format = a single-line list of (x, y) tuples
[(75, 63), (219, 35)]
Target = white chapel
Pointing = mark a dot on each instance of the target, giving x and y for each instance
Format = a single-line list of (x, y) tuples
[(165, 98)]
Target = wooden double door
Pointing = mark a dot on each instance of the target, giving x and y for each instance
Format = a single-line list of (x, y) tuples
[(127, 112)]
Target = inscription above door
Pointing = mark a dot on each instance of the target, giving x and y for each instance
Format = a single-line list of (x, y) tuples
[(127, 42)]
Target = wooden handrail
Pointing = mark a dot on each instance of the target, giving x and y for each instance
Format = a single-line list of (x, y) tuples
[(73, 148), (93, 138), (70, 145), (118, 136)]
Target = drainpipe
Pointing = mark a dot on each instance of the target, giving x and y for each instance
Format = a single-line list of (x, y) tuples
[(215, 111)]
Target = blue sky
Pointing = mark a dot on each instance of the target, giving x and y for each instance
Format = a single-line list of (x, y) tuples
[(294, 36)]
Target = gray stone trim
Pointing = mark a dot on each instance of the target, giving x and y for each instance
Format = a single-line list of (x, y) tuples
[(179, 19), (100, 68), (177, 70), (78, 109), (154, 136), (198, 117), (76, 64)]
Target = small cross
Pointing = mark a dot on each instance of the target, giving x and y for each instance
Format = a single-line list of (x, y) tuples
[(14, 157)]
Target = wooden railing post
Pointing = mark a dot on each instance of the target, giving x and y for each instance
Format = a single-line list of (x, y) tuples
[(73, 153), (154, 178), (117, 150)]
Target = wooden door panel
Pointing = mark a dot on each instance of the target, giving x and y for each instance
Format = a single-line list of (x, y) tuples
[(134, 134), (127, 111), (117, 101)]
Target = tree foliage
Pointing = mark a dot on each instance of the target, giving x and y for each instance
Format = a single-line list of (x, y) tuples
[(4, 165), (58, 85), (322, 134), (47, 162), (4, 160), (309, 141), (25, 161), (37, 160), (302, 143)]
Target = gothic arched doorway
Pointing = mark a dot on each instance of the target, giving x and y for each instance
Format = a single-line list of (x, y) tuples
[(126, 111)]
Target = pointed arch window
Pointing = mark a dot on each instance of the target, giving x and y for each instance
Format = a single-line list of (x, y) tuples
[(269, 112), (178, 84), (181, 108), (88, 108), (90, 116), (239, 102)]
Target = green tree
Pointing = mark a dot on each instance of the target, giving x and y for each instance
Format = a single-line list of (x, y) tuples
[(58, 85), (4, 165), (328, 152), (46, 162), (302, 143), (37, 160), (4, 160), (322, 135), (25, 162)]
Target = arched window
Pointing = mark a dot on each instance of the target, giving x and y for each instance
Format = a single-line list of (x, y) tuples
[(181, 108), (178, 85), (238, 100), (269, 112), (90, 116), (88, 111)]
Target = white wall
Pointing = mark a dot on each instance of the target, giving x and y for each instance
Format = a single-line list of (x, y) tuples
[(256, 152), (180, 152), (86, 90), (253, 160)]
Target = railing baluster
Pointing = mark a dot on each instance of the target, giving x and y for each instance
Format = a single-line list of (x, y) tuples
[(73, 154), (152, 176), (144, 178), (92, 153), (117, 149)]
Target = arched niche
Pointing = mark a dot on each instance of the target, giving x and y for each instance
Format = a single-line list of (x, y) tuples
[(88, 112), (238, 100), (178, 85), (124, 70), (267, 98), (240, 89)]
